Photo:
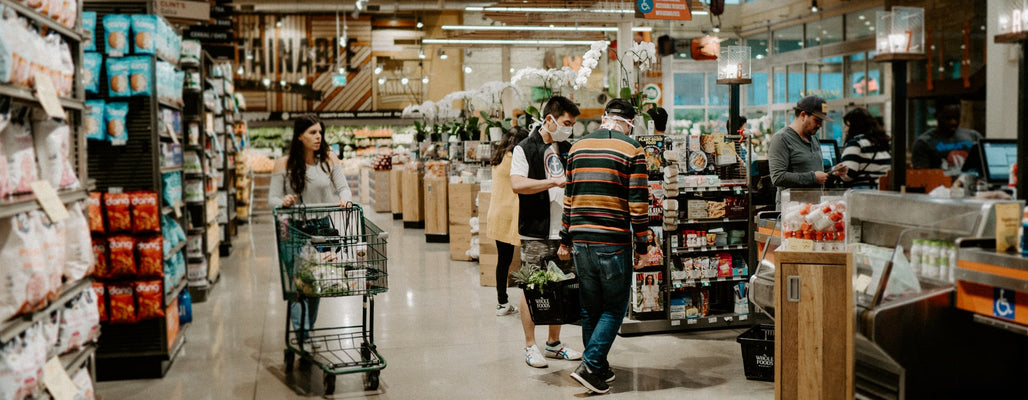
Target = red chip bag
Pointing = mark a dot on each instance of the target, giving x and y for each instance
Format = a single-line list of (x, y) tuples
[(101, 300), (150, 251), (150, 297), (146, 214), (123, 304), (103, 266), (122, 259), (95, 212), (118, 214)]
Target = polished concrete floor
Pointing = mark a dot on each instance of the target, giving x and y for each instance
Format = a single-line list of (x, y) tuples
[(436, 329)]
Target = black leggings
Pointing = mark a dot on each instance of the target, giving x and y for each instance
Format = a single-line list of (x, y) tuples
[(504, 257)]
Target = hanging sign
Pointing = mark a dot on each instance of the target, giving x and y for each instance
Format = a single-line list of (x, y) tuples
[(338, 80), (677, 10), (181, 9)]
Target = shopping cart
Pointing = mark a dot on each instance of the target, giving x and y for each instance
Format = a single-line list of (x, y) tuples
[(332, 251)]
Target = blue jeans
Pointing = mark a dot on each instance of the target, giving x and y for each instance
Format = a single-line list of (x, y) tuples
[(605, 281), (295, 309)]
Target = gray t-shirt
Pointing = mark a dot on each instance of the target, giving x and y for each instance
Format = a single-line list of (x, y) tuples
[(321, 188), (932, 150), (793, 160)]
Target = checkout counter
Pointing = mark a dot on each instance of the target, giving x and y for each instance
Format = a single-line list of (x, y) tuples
[(958, 335)]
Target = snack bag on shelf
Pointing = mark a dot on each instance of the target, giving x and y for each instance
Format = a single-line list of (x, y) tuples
[(146, 214), (95, 212), (84, 383), (119, 217), (94, 120), (150, 298), (78, 261), (91, 65), (53, 238), (53, 147), (21, 156), (123, 304), (102, 267), (139, 75), (80, 322), (24, 282), (89, 26), (50, 328), (122, 255), (115, 115), (118, 77), (116, 26), (101, 300), (144, 34), (151, 261)]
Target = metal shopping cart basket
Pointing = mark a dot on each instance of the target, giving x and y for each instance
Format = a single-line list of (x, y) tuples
[(331, 251)]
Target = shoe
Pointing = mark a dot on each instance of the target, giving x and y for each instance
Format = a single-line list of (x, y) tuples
[(312, 345), (562, 352), (591, 381), (607, 375), (506, 309), (534, 358)]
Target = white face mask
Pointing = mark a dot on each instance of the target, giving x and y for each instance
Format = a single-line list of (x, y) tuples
[(614, 119), (562, 133)]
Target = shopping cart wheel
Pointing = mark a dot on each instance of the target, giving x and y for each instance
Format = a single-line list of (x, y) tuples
[(371, 380), (330, 383), (289, 357)]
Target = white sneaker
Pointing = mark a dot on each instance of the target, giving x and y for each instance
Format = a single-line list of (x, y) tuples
[(562, 352), (506, 309), (534, 358)]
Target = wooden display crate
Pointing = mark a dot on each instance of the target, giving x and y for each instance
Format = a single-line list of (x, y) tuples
[(413, 200), (436, 200), (487, 267), (396, 191), (461, 209)]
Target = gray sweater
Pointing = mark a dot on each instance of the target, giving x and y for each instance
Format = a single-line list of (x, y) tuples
[(793, 160), (321, 187)]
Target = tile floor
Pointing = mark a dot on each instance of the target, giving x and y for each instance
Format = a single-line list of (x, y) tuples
[(436, 329)]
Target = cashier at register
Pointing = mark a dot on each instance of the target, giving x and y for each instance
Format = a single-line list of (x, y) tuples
[(794, 153)]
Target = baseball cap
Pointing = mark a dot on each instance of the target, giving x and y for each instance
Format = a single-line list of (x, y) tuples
[(815, 106)]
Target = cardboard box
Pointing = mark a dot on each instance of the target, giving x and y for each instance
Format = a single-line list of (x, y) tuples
[(413, 197), (487, 268), (396, 190), (436, 197)]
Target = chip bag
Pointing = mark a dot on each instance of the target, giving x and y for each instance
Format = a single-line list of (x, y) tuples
[(150, 298), (102, 268), (150, 251), (95, 212), (101, 300), (118, 214), (123, 304), (146, 214), (122, 255)]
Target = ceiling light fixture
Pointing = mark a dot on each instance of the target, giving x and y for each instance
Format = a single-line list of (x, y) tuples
[(421, 54), (266, 82), (278, 22), (516, 42), (240, 71), (424, 80), (404, 80), (813, 6), (467, 69), (549, 10), (420, 24), (378, 70), (381, 81), (302, 81), (541, 28), (341, 70), (442, 54), (700, 12), (282, 82)]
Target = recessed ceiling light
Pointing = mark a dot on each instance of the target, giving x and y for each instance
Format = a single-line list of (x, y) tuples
[(424, 80), (404, 80), (302, 81)]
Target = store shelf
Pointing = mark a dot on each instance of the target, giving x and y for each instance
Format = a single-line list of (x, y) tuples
[(27, 95), (176, 249), (682, 220), (708, 281), (172, 106), (175, 168), (43, 20), (740, 188), (167, 210), (704, 249), (170, 296), (15, 326), (630, 327), (73, 361), (27, 202)]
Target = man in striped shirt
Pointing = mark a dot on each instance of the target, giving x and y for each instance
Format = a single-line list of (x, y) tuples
[(605, 211)]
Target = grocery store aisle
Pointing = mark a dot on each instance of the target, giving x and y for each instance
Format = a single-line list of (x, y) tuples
[(435, 328)]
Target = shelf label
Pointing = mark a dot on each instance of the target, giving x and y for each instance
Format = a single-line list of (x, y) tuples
[(57, 380), (744, 317), (171, 132), (728, 319), (712, 320), (47, 95), (48, 199), (676, 322), (691, 321)]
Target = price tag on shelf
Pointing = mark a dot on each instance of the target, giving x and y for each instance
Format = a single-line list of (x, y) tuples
[(47, 95), (48, 199), (691, 321), (744, 317), (728, 319), (712, 320), (676, 322), (171, 132), (57, 381)]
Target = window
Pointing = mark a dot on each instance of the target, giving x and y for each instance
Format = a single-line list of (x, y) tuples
[(788, 39), (756, 93), (861, 24), (689, 89), (718, 93), (826, 31), (795, 85), (831, 78), (779, 85)]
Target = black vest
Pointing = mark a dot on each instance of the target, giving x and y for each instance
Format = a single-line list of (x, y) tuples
[(534, 209)]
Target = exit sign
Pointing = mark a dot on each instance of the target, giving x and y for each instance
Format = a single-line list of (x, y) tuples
[(338, 80)]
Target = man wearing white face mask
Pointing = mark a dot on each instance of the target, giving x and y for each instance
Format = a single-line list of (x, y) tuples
[(537, 176)]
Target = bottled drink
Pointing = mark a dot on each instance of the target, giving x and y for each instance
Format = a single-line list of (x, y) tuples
[(952, 263), (930, 263), (915, 256)]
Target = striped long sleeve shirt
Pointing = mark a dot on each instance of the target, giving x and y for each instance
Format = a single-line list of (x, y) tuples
[(607, 196)]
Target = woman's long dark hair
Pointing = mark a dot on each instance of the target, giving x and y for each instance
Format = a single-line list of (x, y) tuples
[(511, 138), (863, 123), (296, 166)]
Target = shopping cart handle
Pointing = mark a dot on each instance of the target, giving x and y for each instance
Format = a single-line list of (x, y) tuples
[(321, 205)]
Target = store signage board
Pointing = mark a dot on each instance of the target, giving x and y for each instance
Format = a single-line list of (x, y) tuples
[(47, 96), (338, 80), (48, 199), (57, 381), (676, 10), (180, 9), (652, 92)]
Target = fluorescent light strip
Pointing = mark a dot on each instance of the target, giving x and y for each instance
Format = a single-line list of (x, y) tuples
[(548, 10), (526, 42), (541, 28), (701, 12)]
